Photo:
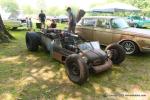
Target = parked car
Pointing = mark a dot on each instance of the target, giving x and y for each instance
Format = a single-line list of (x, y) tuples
[(58, 19), (11, 20), (138, 22), (19, 15), (110, 29), (79, 56), (12, 24)]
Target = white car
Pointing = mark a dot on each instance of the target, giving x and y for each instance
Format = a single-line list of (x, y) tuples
[(12, 24)]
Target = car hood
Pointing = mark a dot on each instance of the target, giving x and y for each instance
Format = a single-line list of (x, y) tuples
[(142, 21), (80, 14), (138, 32)]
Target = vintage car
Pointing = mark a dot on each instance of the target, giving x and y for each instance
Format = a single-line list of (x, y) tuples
[(110, 29), (12, 23), (138, 22), (79, 56)]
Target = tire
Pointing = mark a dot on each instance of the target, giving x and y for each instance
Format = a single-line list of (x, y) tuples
[(76, 69), (14, 28), (33, 41), (130, 47), (116, 53)]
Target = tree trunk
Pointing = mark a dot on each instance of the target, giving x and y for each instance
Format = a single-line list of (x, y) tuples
[(5, 36)]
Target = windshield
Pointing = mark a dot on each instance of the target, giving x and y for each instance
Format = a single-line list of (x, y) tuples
[(89, 46), (119, 23)]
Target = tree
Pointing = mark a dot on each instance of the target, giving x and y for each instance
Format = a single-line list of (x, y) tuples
[(5, 36), (28, 9), (144, 5), (9, 5), (55, 11), (41, 4)]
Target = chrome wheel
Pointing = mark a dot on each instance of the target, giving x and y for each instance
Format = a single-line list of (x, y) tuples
[(75, 69), (129, 46)]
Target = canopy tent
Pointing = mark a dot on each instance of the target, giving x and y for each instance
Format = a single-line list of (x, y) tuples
[(115, 7)]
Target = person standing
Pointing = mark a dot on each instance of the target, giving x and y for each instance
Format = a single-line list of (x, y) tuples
[(71, 21), (42, 18), (29, 23)]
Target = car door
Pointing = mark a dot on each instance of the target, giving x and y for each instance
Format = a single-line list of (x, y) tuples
[(117, 26), (87, 27), (102, 31)]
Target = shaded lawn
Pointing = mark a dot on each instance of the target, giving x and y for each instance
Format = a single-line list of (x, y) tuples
[(35, 76)]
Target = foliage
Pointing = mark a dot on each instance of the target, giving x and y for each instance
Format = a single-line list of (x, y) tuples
[(55, 11), (9, 5), (41, 4), (144, 5), (28, 9), (12, 6)]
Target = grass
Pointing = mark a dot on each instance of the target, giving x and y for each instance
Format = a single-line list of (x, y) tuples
[(28, 75)]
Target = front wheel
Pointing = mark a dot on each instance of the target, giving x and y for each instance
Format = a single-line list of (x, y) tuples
[(130, 47), (76, 69), (116, 53)]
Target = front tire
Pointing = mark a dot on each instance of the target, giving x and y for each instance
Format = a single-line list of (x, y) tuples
[(76, 69), (116, 53), (130, 47), (32, 41)]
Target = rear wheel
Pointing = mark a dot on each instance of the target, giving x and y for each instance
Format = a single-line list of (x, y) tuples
[(130, 47), (32, 41), (76, 69), (116, 53)]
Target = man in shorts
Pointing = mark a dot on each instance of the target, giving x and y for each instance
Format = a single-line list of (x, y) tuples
[(42, 18)]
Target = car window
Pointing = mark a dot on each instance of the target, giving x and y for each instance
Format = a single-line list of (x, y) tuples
[(137, 17), (89, 22), (119, 23), (103, 23)]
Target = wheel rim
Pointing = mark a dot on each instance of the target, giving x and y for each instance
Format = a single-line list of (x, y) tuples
[(129, 47), (75, 70)]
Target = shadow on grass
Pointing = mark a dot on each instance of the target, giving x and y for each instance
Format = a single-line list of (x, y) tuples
[(36, 76)]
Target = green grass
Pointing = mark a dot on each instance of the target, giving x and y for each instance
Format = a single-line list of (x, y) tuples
[(26, 75)]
